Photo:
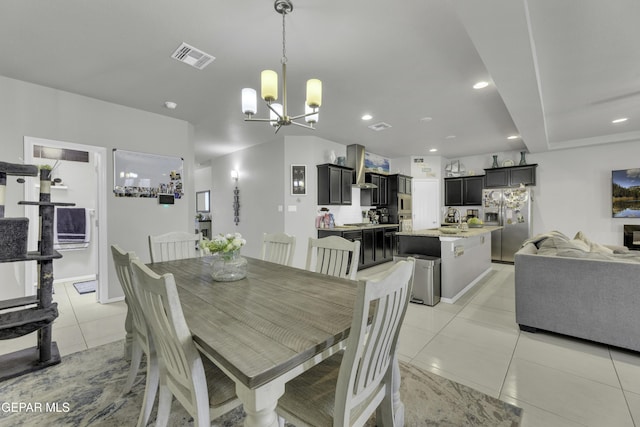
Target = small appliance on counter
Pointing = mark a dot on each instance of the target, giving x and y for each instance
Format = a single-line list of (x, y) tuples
[(472, 213), (383, 215), (452, 216)]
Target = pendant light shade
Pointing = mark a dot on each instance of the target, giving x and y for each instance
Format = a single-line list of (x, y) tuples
[(249, 101), (314, 93), (273, 116), (269, 82), (311, 118)]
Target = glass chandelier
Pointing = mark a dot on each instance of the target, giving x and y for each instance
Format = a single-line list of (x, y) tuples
[(278, 115)]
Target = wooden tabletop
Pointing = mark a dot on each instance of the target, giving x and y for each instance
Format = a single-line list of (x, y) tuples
[(264, 325)]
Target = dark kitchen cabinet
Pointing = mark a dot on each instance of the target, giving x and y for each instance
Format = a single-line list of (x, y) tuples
[(374, 196), (453, 191), (334, 184), (353, 236), (368, 247), (463, 191), (399, 184), (511, 176), (377, 244), (390, 247)]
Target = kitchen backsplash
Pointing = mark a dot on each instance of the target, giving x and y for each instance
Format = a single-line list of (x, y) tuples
[(346, 214)]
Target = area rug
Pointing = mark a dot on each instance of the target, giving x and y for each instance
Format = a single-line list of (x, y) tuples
[(85, 287), (85, 390)]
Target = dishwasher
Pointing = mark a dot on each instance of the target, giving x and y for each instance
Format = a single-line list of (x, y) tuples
[(426, 278)]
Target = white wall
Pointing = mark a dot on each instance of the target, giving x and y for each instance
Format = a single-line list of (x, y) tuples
[(573, 191), (262, 173), (265, 187), (203, 179), (43, 112)]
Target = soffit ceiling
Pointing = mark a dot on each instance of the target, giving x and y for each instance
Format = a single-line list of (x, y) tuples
[(559, 71)]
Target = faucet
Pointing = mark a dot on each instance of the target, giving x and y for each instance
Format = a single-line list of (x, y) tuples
[(459, 217)]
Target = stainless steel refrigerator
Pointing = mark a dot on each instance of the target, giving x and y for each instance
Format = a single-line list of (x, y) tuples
[(510, 208)]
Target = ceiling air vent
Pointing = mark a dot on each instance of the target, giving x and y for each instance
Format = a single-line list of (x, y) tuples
[(192, 56), (379, 126)]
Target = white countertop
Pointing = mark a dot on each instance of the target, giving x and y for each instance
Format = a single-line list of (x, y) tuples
[(435, 232)]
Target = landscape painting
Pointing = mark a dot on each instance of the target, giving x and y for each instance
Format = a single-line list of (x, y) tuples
[(375, 163), (626, 193)]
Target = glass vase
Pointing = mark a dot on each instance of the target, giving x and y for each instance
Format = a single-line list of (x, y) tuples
[(523, 161), (495, 161), (228, 266)]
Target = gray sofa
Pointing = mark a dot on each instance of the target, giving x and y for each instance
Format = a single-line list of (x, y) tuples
[(584, 294)]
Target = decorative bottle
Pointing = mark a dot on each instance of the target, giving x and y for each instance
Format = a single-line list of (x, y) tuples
[(523, 161), (495, 161)]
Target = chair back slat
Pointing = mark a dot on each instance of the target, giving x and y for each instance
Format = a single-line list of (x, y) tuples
[(278, 248), (178, 356), (366, 365), (174, 245), (334, 256)]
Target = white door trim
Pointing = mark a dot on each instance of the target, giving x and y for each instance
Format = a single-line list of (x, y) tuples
[(102, 294)]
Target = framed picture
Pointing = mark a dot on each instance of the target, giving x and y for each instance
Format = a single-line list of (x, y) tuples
[(298, 180), (626, 193)]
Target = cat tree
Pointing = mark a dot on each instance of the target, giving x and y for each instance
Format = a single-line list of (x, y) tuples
[(22, 316)]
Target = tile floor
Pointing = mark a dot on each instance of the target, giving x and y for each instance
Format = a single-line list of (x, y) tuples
[(557, 380)]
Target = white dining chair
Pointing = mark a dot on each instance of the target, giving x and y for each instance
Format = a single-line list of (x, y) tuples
[(278, 248), (174, 245), (140, 339), (334, 256), (200, 386), (352, 385)]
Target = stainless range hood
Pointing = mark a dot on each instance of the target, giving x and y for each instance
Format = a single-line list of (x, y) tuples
[(355, 160)]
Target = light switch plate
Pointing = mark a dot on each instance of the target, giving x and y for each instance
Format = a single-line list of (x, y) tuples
[(292, 208)]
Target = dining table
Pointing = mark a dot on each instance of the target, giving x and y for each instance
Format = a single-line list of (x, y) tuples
[(266, 328)]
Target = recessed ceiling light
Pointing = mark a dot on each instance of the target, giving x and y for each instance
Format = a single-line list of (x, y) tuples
[(450, 137), (513, 137), (170, 105), (367, 117), (433, 150), (426, 119), (480, 85), (620, 120)]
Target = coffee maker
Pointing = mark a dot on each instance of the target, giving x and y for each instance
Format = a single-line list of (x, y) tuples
[(452, 214), (383, 215)]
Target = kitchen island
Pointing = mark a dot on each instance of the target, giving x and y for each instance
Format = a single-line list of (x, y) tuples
[(465, 255), (377, 241)]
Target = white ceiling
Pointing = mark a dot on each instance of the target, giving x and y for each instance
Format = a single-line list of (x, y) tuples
[(560, 71)]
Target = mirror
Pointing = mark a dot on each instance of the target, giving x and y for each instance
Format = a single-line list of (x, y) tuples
[(202, 201)]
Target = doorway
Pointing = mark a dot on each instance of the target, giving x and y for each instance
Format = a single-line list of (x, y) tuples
[(93, 181), (426, 203)]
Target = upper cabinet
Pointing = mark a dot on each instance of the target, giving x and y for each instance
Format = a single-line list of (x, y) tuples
[(463, 191), (334, 184), (375, 196), (511, 176), (400, 184)]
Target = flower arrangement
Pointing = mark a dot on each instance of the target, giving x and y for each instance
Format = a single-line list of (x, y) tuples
[(225, 244)]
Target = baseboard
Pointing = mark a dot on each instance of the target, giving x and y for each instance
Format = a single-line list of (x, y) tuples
[(85, 278), (466, 288)]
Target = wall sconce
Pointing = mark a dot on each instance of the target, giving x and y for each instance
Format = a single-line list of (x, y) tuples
[(236, 197)]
